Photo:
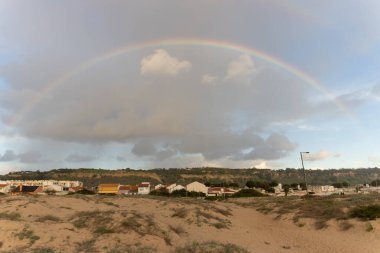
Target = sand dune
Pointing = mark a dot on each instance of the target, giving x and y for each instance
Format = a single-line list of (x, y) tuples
[(143, 224)]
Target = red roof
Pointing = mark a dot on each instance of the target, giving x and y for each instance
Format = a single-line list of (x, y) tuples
[(3, 185), (125, 187), (144, 185), (219, 189)]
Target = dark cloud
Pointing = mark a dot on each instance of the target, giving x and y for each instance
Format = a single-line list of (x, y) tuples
[(26, 157), (274, 147), (8, 156), (30, 157), (77, 158)]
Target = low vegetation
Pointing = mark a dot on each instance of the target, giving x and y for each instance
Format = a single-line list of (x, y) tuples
[(26, 233), (247, 193), (92, 219), (10, 216), (369, 212), (321, 208), (43, 250), (48, 218), (210, 247)]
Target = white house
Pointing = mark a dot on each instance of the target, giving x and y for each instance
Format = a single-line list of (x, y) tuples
[(197, 187), (170, 187), (177, 188), (220, 191), (144, 188), (5, 188), (53, 188), (174, 187), (159, 186)]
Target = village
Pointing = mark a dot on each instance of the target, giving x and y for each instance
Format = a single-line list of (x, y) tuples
[(194, 189)]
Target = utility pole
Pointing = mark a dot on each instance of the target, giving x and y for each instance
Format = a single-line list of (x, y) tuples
[(303, 169)]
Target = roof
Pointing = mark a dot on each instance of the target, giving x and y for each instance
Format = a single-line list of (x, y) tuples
[(26, 188), (125, 187), (134, 188), (108, 185), (144, 185), (219, 189), (3, 185), (76, 188)]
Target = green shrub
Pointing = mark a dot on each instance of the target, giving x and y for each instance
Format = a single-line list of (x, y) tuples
[(214, 198), (210, 247), (48, 218), (10, 216), (370, 212), (160, 192), (247, 193), (43, 250), (85, 192), (179, 193), (103, 230)]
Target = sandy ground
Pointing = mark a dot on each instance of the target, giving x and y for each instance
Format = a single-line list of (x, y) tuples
[(144, 224)]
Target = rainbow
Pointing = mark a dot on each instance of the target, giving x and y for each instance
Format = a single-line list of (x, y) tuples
[(174, 42)]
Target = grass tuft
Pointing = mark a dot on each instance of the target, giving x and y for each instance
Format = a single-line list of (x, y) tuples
[(10, 216), (370, 212), (210, 247)]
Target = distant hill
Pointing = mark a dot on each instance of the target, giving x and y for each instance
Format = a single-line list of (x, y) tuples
[(92, 177)]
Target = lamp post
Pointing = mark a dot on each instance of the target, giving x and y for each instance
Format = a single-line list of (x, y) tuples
[(303, 169)]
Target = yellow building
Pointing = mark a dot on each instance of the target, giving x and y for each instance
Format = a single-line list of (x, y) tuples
[(108, 188)]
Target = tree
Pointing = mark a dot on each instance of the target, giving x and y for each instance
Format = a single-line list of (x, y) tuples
[(273, 183), (294, 186), (375, 183), (250, 184), (286, 189)]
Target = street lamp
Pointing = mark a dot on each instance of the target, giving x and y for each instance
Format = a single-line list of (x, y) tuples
[(303, 169)]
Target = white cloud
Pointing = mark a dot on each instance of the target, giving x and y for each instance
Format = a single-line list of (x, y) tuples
[(161, 63), (241, 68), (320, 155), (374, 159), (209, 79)]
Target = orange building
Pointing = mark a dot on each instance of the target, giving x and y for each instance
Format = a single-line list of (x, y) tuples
[(108, 188)]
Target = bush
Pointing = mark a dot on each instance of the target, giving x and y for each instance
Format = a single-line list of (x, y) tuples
[(247, 193), (160, 192), (85, 192), (370, 212), (195, 194), (179, 193), (214, 198), (10, 216), (210, 247)]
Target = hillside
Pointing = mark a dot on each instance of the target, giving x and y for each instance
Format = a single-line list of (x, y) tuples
[(92, 177), (113, 224)]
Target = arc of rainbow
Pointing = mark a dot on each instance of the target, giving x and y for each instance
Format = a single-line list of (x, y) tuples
[(175, 42)]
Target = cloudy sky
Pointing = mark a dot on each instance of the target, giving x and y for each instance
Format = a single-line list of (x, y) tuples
[(145, 84)]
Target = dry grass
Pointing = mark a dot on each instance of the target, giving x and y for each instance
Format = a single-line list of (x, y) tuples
[(10, 216), (43, 250), (48, 218), (207, 217), (126, 248), (92, 219), (320, 208), (180, 212), (26, 233), (210, 247), (178, 230), (145, 225), (86, 246)]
